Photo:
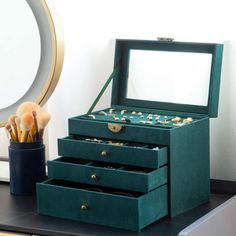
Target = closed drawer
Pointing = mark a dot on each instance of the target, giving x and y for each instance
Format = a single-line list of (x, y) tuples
[(128, 154), (129, 132), (102, 174), (74, 201)]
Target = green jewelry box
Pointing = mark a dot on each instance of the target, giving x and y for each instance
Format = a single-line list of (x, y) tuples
[(188, 145), (158, 122)]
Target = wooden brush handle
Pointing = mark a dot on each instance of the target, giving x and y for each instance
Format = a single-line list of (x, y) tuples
[(41, 132), (34, 113), (14, 130), (30, 138), (12, 135), (24, 136), (18, 129)]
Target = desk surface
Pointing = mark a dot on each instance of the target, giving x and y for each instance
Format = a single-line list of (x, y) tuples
[(19, 214)]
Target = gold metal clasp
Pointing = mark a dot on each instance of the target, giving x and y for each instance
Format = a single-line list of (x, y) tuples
[(168, 39), (115, 128)]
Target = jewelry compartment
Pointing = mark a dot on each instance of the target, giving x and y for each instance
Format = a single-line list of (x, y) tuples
[(113, 151), (146, 126), (109, 207), (106, 174), (140, 116)]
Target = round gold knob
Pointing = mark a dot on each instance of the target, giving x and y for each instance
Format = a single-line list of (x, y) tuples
[(84, 206), (94, 177), (104, 153), (115, 128)]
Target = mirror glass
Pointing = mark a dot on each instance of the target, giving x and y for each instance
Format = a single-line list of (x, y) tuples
[(31, 56), (20, 48), (166, 76)]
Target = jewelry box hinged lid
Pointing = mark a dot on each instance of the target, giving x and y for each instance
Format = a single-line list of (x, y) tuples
[(167, 75)]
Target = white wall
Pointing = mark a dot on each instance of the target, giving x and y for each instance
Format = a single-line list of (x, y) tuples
[(223, 129), (90, 28)]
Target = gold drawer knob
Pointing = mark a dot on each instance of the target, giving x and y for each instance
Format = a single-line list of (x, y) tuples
[(115, 128), (84, 206), (94, 177), (104, 153)]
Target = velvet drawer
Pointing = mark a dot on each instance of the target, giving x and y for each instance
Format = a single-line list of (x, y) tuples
[(102, 174), (128, 155), (74, 201), (129, 132)]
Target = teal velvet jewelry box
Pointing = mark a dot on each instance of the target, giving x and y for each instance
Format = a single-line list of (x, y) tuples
[(148, 152)]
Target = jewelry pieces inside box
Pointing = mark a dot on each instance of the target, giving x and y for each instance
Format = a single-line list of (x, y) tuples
[(123, 112), (94, 140), (92, 116), (138, 117), (119, 143), (111, 142), (103, 113), (111, 110), (110, 167), (100, 141)]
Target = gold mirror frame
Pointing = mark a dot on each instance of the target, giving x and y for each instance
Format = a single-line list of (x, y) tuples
[(47, 77)]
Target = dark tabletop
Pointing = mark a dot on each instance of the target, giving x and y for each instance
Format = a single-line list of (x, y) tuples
[(19, 214)]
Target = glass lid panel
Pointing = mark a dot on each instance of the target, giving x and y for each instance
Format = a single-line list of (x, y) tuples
[(169, 76)]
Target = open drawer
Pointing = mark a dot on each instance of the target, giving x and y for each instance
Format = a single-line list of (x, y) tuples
[(102, 174), (107, 207), (129, 153)]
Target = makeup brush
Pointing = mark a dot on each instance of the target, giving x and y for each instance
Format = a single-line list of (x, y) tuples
[(11, 121), (26, 123), (43, 119), (17, 121), (9, 129), (27, 107), (30, 138), (36, 130)]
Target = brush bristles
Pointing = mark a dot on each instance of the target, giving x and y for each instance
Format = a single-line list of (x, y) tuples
[(11, 120), (27, 122), (27, 107), (43, 119)]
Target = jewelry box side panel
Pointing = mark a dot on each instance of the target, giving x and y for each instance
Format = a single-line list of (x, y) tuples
[(189, 159)]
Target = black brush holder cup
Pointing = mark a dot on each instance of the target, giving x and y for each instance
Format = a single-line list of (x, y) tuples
[(27, 167)]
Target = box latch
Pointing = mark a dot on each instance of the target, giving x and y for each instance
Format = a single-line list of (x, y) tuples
[(115, 128)]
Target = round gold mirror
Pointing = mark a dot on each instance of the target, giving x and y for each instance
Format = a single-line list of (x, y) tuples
[(32, 53)]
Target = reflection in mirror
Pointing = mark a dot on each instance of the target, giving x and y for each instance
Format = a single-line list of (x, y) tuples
[(173, 77), (20, 50)]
